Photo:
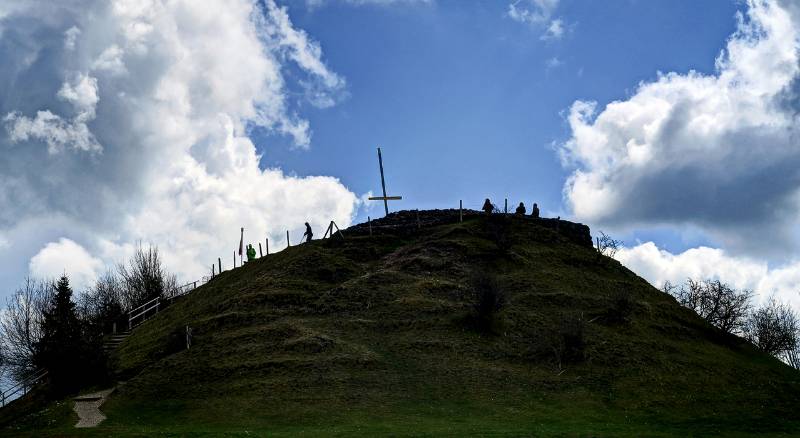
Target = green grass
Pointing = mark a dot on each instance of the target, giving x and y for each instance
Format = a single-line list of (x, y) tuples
[(368, 336)]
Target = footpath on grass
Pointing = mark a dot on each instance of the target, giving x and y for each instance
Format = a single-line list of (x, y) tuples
[(87, 407)]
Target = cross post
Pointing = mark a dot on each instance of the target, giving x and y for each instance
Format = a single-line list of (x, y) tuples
[(384, 198)]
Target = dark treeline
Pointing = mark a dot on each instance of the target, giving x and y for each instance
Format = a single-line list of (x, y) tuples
[(773, 328), (45, 325)]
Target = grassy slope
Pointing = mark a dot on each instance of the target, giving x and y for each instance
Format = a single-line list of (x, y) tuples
[(367, 336)]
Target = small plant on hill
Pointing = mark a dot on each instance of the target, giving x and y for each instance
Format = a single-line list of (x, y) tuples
[(487, 300), (499, 229), (620, 307), (568, 342), (606, 245)]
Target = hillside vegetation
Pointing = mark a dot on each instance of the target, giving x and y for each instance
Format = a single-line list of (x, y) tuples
[(383, 334)]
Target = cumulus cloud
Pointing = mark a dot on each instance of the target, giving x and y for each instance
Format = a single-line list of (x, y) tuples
[(658, 266), (538, 13), (129, 121), (66, 256), (718, 151), (58, 133)]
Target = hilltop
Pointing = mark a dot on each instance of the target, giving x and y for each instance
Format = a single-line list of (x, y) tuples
[(378, 334)]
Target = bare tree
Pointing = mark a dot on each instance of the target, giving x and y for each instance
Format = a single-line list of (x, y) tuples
[(773, 328), (793, 356), (718, 303), (144, 278), (21, 325), (606, 245), (102, 305)]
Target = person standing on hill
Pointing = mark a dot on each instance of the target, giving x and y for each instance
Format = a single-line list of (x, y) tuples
[(535, 211), (308, 233), (520, 209), (251, 253), (487, 207)]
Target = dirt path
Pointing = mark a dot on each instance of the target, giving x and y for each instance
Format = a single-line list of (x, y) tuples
[(87, 407)]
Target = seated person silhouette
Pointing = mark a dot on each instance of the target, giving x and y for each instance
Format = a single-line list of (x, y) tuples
[(487, 206)]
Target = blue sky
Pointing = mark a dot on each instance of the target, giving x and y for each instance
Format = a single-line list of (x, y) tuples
[(461, 97), (672, 125)]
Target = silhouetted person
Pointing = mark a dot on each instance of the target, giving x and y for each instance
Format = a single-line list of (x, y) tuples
[(308, 233), (520, 209), (487, 206), (251, 253), (535, 211)]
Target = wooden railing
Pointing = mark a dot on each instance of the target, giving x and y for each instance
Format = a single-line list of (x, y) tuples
[(139, 314), (23, 385), (149, 309)]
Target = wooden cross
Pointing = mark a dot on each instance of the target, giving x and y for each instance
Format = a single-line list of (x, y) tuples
[(384, 198)]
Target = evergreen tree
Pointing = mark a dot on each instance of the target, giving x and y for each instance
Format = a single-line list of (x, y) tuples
[(61, 346)]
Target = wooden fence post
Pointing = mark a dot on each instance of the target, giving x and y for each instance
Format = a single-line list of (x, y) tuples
[(234, 260), (260, 254), (288, 244), (267, 243), (219, 260), (369, 222), (460, 210), (505, 209)]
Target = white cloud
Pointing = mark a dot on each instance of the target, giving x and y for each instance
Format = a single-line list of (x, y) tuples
[(553, 62), (66, 256), (55, 131), (70, 35), (657, 266), (715, 151), (307, 54), (538, 13), (555, 30), (82, 94), (58, 133), (111, 60), (176, 167)]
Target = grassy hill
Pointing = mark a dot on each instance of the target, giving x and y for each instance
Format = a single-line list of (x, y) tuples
[(377, 334)]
